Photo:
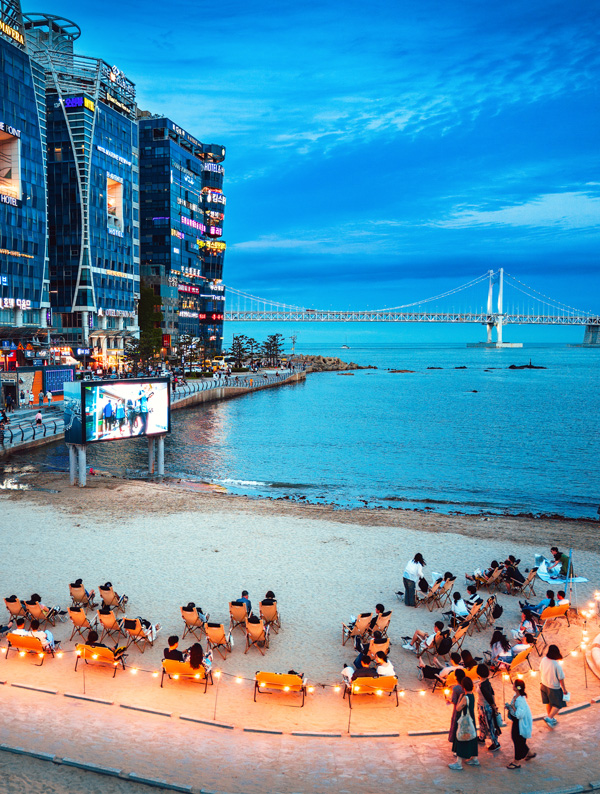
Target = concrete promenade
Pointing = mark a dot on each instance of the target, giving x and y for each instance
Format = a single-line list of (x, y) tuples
[(22, 432)]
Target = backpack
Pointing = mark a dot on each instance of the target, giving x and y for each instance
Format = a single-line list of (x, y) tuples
[(444, 646), (497, 611), (423, 586)]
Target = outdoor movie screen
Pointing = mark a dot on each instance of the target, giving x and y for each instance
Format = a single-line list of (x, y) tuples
[(125, 408)]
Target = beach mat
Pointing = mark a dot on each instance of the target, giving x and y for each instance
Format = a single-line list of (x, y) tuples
[(543, 573)]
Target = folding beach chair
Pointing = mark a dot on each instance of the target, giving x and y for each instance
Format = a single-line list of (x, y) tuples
[(237, 615), (15, 607), (425, 598), (526, 588), (111, 626), (194, 624), (494, 580), (374, 647), (94, 655), (551, 614), (359, 629), (519, 659), (459, 637), (37, 613), (257, 636), (382, 623), (79, 597), (485, 617), (27, 644), (138, 635), (79, 621), (442, 595), (472, 618), (270, 614), (451, 679), (217, 639), (177, 670), (112, 599), (384, 685), (280, 682)]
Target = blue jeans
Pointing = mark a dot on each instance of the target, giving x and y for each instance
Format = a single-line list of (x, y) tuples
[(409, 592)]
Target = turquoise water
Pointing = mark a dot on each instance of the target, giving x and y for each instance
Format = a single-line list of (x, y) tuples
[(480, 439)]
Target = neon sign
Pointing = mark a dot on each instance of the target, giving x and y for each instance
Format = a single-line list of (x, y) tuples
[(212, 245), (187, 288), (218, 169), (115, 232), (175, 233), (12, 33), (117, 77), (215, 198), (11, 130), (192, 315), (194, 224), (217, 231), (114, 156), (79, 102), (6, 252), (10, 303)]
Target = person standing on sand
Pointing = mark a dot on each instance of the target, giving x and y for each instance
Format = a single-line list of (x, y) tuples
[(467, 748), (552, 684), (522, 724), (457, 692), (412, 573)]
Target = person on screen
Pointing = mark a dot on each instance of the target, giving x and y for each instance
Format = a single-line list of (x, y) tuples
[(120, 415), (143, 403), (107, 417), (131, 416)]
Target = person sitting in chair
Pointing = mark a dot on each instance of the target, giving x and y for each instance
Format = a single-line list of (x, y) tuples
[(172, 652), (45, 637), (539, 608), (384, 666), (424, 640)]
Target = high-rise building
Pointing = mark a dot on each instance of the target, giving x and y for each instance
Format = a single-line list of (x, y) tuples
[(24, 292), (93, 200), (182, 211)]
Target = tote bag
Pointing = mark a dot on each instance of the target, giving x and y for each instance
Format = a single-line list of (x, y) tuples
[(465, 729)]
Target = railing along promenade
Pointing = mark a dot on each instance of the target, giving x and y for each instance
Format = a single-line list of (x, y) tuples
[(27, 433), (365, 316)]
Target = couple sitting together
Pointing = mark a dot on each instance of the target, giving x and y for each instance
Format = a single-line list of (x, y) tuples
[(194, 655)]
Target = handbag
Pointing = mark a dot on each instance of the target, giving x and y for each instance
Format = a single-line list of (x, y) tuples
[(499, 721), (465, 729)]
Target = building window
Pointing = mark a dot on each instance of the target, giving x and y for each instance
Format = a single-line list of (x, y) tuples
[(10, 165)]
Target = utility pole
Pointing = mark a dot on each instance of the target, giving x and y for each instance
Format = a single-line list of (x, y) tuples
[(293, 338)]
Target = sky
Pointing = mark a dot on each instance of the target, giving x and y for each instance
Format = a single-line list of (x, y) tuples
[(379, 154)]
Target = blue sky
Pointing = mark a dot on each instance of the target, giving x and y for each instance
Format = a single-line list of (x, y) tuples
[(381, 153)]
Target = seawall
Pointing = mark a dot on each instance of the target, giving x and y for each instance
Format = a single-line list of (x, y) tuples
[(181, 400)]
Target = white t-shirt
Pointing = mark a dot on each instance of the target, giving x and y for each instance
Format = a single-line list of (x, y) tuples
[(551, 673), (414, 571), (385, 669), (460, 608)]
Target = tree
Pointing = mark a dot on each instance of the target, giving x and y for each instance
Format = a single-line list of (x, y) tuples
[(272, 348), (253, 348), (239, 349), (149, 318)]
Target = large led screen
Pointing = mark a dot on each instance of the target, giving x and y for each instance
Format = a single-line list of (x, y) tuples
[(126, 408)]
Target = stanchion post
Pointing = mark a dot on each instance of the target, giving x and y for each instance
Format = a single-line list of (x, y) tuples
[(150, 455), (160, 456), (72, 464), (218, 677), (82, 459)]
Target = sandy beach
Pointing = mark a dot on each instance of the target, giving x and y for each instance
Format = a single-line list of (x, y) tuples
[(165, 545)]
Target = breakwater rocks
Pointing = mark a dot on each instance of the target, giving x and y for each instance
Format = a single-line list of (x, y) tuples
[(329, 364)]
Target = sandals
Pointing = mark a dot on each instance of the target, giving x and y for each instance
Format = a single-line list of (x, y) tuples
[(530, 756), (512, 765)]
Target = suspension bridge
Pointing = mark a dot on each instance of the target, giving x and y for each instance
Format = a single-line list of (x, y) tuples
[(525, 306)]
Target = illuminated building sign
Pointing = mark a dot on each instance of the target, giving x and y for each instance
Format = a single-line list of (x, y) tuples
[(211, 245), (194, 224), (117, 273), (188, 288), (115, 232), (79, 102), (114, 177), (12, 202), (218, 169), (3, 281), (183, 170), (191, 315), (217, 287), (12, 33), (192, 271), (176, 251), (6, 252), (217, 231), (116, 157), (212, 317), (114, 101), (117, 77), (215, 198), (115, 313), (10, 130), (213, 297), (175, 233), (216, 216), (11, 303), (188, 204)]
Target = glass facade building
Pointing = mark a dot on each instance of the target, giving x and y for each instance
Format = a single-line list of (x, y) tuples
[(24, 298), (182, 208), (93, 209)]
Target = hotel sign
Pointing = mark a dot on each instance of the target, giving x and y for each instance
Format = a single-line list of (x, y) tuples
[(12, 33), (116, 77), (11, 130)]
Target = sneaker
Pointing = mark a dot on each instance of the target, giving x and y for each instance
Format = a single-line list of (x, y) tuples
[(473, 762), (399, 593), (455, 765), (408, 647), (550, 721), (493, 747)]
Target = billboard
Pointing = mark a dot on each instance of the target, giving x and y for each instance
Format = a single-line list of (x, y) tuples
[(109, 410)]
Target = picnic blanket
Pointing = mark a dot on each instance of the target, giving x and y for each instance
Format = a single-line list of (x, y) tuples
[(551, 576)]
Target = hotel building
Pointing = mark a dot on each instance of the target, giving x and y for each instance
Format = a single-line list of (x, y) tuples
[(93, 200), (182, 212)]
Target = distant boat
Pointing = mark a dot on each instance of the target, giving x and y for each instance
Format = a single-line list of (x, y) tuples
[(345, 347)]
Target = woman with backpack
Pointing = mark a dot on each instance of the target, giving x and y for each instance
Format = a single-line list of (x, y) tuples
[(465, 743)]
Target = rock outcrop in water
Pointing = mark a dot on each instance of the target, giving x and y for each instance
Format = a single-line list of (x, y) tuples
[(328, 364)]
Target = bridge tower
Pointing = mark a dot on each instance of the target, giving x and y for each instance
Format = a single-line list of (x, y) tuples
[(495, 318)]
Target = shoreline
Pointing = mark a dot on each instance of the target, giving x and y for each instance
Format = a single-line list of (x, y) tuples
[(52, 487)]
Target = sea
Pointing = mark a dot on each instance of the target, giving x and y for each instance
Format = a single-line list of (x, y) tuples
[(458, 432)]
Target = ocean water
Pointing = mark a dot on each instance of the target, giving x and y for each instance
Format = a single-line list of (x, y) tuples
[(472, 436)]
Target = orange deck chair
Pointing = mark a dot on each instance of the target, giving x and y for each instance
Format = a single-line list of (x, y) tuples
[(194, 624), (360, 628), (177, 670), (15, 607), (270, 614), (80, 599), (112, 599), (237, 615), (79, 621), (138, 635), (550, 614), (519, 659), (36, 612), (257, 636), (379, 646), (280, 682), (217, 639), (25, 644), (382, 623), (111, 627), (385, 685), (95, 655)]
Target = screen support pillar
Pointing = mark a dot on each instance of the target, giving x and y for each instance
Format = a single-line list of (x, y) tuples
[(160, 456), (150, 455), (72, 464), (82, 457)]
